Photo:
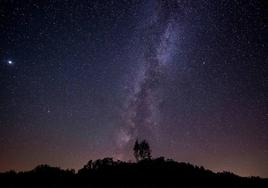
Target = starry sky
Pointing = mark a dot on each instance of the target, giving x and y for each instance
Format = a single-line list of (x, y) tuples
[(82, 80)]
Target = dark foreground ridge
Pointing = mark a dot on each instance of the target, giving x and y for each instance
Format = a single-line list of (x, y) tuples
[(145, 173)]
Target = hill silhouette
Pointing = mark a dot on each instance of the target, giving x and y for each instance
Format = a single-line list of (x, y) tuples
[(145, 173)]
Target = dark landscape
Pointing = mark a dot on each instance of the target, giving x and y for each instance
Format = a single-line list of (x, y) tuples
[(146, 172)]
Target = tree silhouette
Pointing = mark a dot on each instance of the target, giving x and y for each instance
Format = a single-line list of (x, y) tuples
[(136, 150), (142, 150)]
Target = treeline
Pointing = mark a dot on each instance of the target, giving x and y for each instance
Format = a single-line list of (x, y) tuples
[(144, 173)]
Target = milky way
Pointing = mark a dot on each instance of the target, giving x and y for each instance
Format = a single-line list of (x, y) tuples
[(161, 36)]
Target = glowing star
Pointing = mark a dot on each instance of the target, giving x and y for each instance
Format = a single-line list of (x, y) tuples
[(9, 62)]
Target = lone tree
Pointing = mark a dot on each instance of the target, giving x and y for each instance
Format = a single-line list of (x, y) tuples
[(142, 150)]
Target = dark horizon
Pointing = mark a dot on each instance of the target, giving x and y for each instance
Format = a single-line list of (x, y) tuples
[(76, 170), (145, 172), (83, 80)]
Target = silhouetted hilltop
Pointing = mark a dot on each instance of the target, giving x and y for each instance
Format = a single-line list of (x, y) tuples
[(145, 173)]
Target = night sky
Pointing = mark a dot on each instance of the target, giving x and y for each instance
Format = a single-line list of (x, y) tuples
[(82, 80)]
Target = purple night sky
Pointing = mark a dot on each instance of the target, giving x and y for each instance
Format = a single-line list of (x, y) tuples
[(82, 80)]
